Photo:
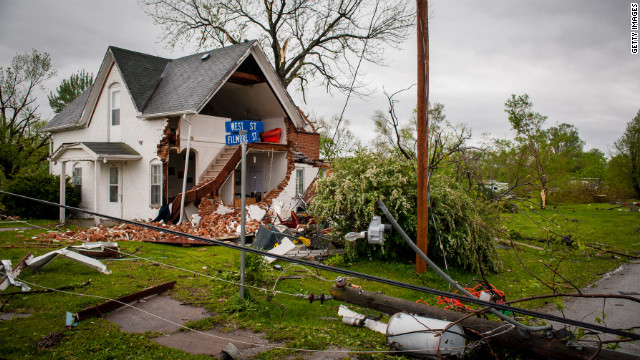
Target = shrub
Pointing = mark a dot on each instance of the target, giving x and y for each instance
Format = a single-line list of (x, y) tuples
[(37, 184), (348, 198)]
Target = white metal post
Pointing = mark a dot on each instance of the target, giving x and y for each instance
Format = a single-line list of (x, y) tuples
[(243, 195), (186, 169), (63, 183)]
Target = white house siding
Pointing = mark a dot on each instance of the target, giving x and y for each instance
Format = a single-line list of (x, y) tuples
[(286, 201), (207, 138), (142, 135)]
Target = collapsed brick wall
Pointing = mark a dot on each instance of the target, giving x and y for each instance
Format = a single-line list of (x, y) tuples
[(209, 203), (306, 142)]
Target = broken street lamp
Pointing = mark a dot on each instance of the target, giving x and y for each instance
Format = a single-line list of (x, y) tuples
[(375, 233)]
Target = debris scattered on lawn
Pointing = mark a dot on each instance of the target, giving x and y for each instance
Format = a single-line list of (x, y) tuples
[(351, 317), (11, 274), (50, 341), (99, 249), (42, 260), (285, 246)]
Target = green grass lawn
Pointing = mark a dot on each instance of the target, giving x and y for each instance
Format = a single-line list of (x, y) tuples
[(286, 319)]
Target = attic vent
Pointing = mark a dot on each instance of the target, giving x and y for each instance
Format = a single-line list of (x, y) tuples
[(205, 57)]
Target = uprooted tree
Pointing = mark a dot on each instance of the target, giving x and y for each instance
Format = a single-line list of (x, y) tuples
[(348, 198), (307, 39)]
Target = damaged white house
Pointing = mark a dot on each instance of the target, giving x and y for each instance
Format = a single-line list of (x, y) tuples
[(124, 140)]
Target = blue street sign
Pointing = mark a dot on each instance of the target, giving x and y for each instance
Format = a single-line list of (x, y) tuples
[(248, 125), (236, 139)]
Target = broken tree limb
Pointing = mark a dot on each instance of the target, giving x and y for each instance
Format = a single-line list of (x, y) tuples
[(538, 344), (114, 304)]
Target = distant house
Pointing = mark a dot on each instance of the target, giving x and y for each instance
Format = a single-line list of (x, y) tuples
[(124, 140)]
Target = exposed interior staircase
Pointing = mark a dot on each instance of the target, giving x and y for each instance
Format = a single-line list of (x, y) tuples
[(218, 163), (221, 166)]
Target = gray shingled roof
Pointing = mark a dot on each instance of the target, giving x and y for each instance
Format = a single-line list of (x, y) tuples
[(140, 72), (70, 114), (189, 81), (105, 149)]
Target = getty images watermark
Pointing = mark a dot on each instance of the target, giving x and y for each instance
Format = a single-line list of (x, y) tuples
[(634, 28)]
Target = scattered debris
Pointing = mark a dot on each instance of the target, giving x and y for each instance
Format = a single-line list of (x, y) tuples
[(12, 273), (99, 249), (50, 341), (42, 260), (351, 317), (285, 246)]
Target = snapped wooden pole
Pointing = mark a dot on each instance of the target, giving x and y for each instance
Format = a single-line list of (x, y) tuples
[(493, 332), (423, 132)]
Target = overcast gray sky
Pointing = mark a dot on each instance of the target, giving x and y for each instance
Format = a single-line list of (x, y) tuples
[(572, 57)]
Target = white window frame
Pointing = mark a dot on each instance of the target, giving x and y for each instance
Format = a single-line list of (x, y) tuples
[(155, 180), (113, 185), (76, 176), (115, 92), (299, 181)]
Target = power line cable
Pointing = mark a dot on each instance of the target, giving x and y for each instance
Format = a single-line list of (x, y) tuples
[(351, 273)]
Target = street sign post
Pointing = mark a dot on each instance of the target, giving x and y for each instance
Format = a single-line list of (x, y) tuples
[(242, 132), (239, 138), (243, 125)]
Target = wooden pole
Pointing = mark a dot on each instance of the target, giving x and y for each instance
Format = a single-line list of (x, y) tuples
[(494, 332), (423, 135)]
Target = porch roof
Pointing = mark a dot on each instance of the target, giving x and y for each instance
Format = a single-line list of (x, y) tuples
[(95, 151)]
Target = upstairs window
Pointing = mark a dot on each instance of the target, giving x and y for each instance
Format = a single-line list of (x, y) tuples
[(115, 107)]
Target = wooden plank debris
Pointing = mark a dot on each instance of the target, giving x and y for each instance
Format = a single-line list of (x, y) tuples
[(111, 305)]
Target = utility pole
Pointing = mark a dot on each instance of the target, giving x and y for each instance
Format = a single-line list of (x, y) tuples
[(423, 131)]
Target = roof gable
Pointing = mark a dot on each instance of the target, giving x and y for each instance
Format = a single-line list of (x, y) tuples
[(140, 72), (160, 86), (190, 81)]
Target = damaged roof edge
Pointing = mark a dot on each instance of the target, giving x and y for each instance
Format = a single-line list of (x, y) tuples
[(226, 77)]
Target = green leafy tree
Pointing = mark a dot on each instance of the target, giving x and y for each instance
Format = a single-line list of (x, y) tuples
[(537, 157), (21, 144), (627, 150), (69, 89), (348, 197), (304, 39), (591, 164), (36, 183)]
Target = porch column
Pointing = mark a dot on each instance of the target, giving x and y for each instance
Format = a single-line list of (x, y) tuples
[(96, 175), (63, 182)]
